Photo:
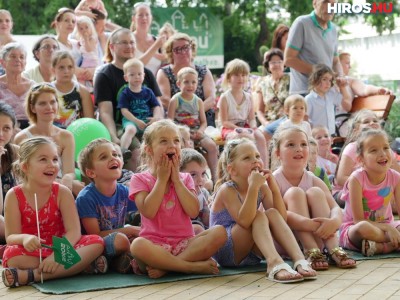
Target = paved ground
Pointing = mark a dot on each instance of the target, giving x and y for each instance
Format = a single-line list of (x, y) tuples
[(372, 279)]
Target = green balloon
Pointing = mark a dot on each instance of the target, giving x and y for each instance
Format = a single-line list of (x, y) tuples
[(86, 130)]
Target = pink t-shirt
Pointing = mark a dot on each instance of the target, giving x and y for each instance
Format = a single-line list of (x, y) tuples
[(375, 198), (351, 151), (306, 181), (171, 223)]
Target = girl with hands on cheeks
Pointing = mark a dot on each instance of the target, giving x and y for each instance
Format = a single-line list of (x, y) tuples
[(37, 167), (368, 224), (313, 214), (242, 186), (166, 200)]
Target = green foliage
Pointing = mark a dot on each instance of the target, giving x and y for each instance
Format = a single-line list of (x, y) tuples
[(392, 126)]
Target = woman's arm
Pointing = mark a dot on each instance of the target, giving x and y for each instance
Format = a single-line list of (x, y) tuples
[(260, 110), (345, 168), (153, 49), (209, 91), (164, 85), (87, 104), (19, 137), (67, 158)]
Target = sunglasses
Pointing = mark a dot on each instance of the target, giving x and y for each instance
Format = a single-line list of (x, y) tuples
[(42, 85), (244, 130), (231, 144)]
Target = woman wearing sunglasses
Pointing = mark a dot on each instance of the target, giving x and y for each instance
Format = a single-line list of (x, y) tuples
[(181, 50)]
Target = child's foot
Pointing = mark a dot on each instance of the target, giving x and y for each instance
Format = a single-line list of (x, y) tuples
[(205, 267), (98, 266), (303, 267), (283, 273), (338, 256), (13, 277), (155, 273), (316, 259)]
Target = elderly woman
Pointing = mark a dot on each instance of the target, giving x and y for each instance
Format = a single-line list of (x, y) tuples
[(43, 51), (13, 85), (181, 50), (272, 90), (6, 25), (147, 46)]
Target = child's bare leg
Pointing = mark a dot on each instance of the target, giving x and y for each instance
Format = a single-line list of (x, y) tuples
[(264, 241), (211, 156), (200, 248), (126, 139), (158, 258), (262, 147), (2, 228), (133, 163), (22, 263), (284, 236)]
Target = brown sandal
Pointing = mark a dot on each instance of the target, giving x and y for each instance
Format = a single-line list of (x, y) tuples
[(315, 256), (341, 255)]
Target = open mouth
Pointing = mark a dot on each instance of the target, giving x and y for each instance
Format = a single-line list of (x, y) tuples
[(49, 173), (170, 155), (383, 162), (298, 157)]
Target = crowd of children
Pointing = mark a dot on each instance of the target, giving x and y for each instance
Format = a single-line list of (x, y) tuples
[(192, 208)]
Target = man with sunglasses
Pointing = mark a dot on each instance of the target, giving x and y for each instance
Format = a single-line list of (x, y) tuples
[(109, 81)]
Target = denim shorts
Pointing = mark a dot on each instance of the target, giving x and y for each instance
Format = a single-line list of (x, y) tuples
[(109, 248), (270, 128)]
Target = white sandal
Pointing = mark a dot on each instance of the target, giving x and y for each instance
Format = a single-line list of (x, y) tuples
[(306, 266), (280, 267), (371, 248)]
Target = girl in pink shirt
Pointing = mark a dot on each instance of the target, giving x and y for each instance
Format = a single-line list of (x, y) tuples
[(312, 212), (166, 200), (368, 224)]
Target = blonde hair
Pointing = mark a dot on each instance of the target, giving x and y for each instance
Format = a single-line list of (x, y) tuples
[(134, 10), (236, 66), (149, 136), (89, 22), (176, 37), (168, 29), (189, 155), (85, 160), (132, 62), (318, 128), (292, 100), (184, 71), (26, 150), (60, 55), (228, 156), (312, 142), (281, 134), (33, 96)]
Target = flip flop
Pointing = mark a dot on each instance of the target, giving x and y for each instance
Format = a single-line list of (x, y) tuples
[(306, 266), (280, 267), (371, 248)]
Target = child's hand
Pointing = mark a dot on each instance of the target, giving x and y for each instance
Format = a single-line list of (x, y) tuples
[(175, 169), (341, 81), (31, 243), (152, 120), (394, 236), (163, 168), (48, 266), (257, 179), (326, 229), (142, 125)]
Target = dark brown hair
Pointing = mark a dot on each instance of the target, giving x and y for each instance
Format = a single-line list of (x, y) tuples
[(268, 56), (279, 33)]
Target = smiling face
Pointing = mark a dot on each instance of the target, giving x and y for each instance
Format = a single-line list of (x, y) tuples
[(376, 155), (45, 107), (6, 129), (182, 52), (369, 121), (323, 139), (106, 163), (43, 166), (293, 150), (198, 173)]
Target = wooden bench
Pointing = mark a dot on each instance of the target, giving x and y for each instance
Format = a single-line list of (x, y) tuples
[(380, 104)]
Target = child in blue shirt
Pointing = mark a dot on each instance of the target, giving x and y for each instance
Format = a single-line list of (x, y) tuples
[(102, 205)]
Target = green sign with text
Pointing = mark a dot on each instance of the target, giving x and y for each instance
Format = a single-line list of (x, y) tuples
[(202, 25)]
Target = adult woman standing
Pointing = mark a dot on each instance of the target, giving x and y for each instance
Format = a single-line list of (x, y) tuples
[(43, 51), (280, 37), (181, 50), (13, 85), (6, 25), (64, 24), (147, 45), (272, 90)]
